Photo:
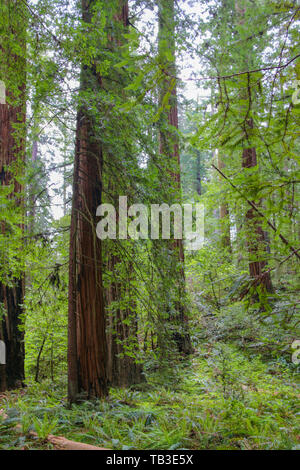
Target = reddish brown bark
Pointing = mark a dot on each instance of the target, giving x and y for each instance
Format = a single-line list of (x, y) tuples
[(86, 292), (87, 350), (257, 242), (123, 370), (12, 152)]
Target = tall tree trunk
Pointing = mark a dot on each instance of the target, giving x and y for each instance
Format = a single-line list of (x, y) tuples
[(169, 151), (256, 242), (87, 350), (123, 369), (12, 151)]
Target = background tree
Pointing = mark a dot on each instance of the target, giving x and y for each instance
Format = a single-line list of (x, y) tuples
[(120, 298), (256, 239), (169, 153)]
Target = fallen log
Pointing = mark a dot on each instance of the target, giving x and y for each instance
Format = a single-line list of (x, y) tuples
[(61, 443)]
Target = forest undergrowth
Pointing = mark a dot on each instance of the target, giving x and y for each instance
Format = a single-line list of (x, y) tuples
[(222, 398)]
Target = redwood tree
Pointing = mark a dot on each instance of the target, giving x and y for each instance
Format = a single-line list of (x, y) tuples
[(257, 241), (256, 237), (87, 349), (12, 155), (122, 324)]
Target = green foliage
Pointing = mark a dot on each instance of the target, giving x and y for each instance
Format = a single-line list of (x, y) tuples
[(238, 390), (46, 306), (45, 426), (224, 399)]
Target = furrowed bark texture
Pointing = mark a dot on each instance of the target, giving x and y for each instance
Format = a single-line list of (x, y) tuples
[(87, 350), (123, 370), (87, 340)]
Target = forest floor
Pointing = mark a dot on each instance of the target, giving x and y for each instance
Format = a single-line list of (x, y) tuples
[(220, 399)]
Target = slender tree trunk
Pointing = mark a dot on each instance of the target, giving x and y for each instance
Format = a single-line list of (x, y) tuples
[(38, 359), (224, 217), (12, 151), (198, 174), (87, 351)]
